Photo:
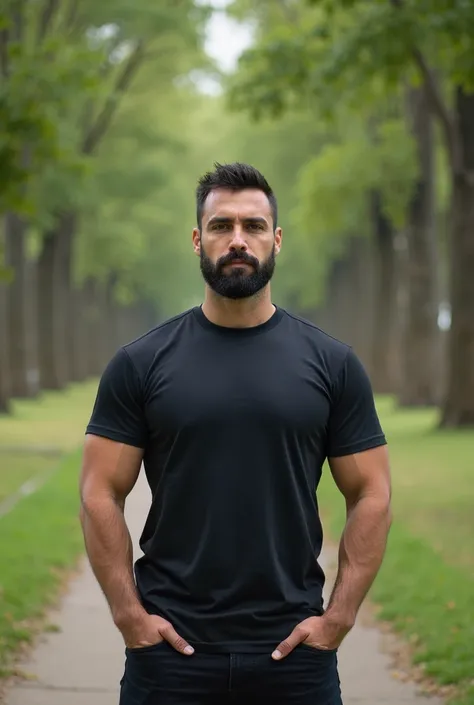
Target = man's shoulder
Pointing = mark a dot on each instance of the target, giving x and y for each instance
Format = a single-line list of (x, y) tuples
[(327, 352), (141, 350), (311, 330)]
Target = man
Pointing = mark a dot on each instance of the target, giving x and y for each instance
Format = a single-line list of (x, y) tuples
[(233, 407)]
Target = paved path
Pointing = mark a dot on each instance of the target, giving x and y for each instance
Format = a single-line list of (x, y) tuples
[(83, 663)]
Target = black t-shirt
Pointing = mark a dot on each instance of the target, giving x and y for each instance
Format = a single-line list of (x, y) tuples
[(235, 425)]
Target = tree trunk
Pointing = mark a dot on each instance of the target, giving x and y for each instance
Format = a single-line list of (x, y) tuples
[(130, 323), (420, 339), (458, 407), (360, 300), (54, 300), (32, 326), (384, 354), (94, 321), (106, 331), (347, 309), (5, 375), (329, 318), (124, 325), (339, 296), (78, 340), (23, 381), (149, 317), (112, 314), (117, 314)]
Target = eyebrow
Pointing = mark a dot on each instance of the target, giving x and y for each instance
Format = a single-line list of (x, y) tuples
[(226, 219)]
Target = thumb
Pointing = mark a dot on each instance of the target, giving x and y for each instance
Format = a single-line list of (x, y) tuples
[(285, 647), (175, 640)]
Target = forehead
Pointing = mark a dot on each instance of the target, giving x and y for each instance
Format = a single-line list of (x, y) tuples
[(237, 204)]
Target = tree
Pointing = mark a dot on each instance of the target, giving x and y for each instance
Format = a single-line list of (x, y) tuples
[(39, 82), (421, 339), (361, 180), (400, 36), (143, 34), (351, 50), (5, 392), (130, 240), (41, 71), (87, 56)]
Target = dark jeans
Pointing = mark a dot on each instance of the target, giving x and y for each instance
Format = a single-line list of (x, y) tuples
[(159, 675)]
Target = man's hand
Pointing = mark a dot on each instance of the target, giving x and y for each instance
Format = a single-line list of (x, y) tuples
[(149, 630), (317, 632)]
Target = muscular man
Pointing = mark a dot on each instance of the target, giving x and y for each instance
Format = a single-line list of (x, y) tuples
[(233, 408)]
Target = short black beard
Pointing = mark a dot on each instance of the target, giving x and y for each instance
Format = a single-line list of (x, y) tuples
[(237, 284)]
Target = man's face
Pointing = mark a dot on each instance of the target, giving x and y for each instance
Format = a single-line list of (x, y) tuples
[(237, 245)]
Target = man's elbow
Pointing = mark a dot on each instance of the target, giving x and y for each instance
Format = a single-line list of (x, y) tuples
[(95, 500), (88, 496), (389, 515), (82, 513), (82, 507), (382, 503), (376, 500)]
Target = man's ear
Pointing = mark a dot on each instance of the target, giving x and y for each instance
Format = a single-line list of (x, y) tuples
[(197, 241), (278, 238)]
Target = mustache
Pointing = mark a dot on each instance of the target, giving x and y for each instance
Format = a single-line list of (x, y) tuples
[(241, 256)]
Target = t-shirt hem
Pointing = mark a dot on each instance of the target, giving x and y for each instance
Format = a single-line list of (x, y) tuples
[(359, 447), (114, 436)]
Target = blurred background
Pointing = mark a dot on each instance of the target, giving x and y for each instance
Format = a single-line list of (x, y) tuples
[(361, 116)]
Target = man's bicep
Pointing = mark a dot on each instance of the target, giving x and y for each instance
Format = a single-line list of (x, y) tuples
[(363, 474), (116, 434), (109, 468)]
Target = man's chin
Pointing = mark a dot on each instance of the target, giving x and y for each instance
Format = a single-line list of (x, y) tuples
[(233, 292)]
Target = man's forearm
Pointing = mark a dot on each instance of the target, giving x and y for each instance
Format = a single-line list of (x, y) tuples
[(361, 552), (110, 552)]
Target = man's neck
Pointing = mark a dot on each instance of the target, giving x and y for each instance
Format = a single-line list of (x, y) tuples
[(238, 313)]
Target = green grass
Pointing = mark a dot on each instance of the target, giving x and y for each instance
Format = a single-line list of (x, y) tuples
[(39, 432), (426, 585), (39, 539), (55, 420), (17, 468)]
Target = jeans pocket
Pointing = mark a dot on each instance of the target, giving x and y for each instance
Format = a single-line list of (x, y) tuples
[(315, 649), (146, 649)]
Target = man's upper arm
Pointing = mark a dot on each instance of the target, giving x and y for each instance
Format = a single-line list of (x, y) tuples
[(363, 474), (116, 434), (118, 412), (109, 469), (357, 447)]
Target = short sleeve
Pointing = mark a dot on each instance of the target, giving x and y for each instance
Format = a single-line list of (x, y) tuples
[(118, 409), (354, 425)]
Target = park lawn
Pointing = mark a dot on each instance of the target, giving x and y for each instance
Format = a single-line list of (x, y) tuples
[(39, 432), (54, 420), (40, 538), (17, 468), (426, 585)]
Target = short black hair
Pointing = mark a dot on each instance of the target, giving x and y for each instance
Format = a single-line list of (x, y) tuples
[(236, 177)]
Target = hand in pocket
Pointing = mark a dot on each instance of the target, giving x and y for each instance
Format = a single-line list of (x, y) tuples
[(149, 630)]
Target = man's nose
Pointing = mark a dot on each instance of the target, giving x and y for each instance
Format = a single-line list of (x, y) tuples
[(238, 241)]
